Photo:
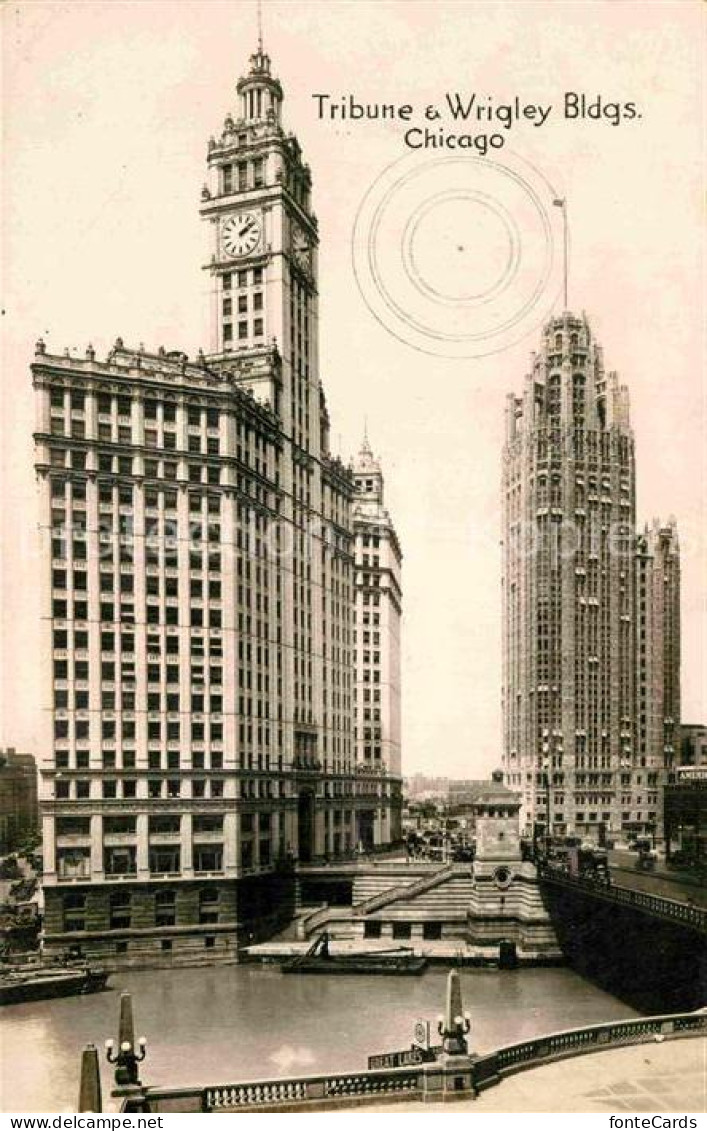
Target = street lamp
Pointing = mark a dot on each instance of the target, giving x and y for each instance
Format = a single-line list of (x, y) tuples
[(551, 745), (126, 1059), (545, 786), (455, 1024)]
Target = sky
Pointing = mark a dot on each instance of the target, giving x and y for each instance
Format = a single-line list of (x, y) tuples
[(109, 107)]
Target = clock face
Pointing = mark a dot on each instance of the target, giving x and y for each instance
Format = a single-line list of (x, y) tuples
[(241, 233)]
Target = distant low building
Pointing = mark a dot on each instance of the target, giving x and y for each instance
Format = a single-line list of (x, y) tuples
[(693, 744), (685, 816), (449, 791), (418, 787), (18, 798), (465, 791)]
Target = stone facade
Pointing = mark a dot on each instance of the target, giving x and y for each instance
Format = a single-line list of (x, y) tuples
[(19, 815), (591, 611), (378, 609), (198, 536)]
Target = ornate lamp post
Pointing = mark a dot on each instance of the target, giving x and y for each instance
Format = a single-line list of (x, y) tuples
[(129, 1054), (551, 746), (454, 1026), (545, 796)]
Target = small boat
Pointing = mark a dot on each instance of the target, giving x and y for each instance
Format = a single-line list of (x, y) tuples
[(37, 982), (319, 960)]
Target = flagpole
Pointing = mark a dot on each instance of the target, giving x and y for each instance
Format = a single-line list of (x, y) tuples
[(564, 225), (561, 202)]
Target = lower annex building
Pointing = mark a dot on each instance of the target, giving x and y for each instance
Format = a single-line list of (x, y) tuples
[(200, 551)]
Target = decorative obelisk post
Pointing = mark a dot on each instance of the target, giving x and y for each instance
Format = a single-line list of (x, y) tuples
[(126, 1059), (455, 1024), (90, 1085), (451, 1077)]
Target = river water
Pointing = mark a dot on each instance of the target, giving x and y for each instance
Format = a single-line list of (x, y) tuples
[(221, 1024)]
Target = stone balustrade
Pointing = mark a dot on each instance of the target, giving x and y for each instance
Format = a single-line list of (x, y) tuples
[(392, 1083), (593, 1038)]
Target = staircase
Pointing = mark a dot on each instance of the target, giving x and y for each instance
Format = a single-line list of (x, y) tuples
[(404, 891), (441, 893)]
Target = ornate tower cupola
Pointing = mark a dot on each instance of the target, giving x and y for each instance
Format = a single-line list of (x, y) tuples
[(260, 94), (368, 476), (261, 254)]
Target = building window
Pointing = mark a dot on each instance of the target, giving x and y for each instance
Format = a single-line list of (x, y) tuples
[(432, 930), (73, 864), (208, 858), (164, 860), (74, 909), (120, 910), (165, 909), (120, 861), (372, 929), (401, 930), (208, 905)]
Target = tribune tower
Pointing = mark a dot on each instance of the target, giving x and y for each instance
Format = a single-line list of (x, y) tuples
[(591, 613)]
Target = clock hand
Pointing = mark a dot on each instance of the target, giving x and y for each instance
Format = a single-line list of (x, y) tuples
[(248, 226)]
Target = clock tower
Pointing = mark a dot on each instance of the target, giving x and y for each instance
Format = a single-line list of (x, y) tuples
[(262, 249)]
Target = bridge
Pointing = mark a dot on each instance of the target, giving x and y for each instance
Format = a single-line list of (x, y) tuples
[(648, 950)]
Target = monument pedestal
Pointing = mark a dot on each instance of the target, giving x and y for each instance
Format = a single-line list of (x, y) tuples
[(506, 910)]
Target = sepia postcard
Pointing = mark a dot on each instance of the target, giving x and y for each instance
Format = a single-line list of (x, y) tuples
[(353, 753)]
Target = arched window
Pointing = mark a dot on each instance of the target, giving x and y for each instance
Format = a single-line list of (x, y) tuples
[(578, 383)]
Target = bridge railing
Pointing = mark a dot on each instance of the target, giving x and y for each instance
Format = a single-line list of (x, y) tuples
[(660, 906), (290, 1092), (390, 1083), (416, 1083), (594, 1038)]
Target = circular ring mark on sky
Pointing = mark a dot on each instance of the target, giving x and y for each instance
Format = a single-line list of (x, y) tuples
[(459, 256)]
